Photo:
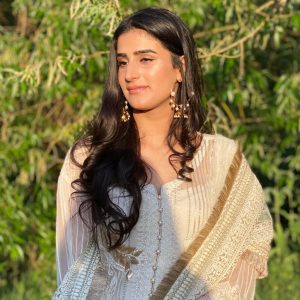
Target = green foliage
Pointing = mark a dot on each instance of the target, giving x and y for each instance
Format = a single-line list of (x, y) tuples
[(37, 283), (53, 64)]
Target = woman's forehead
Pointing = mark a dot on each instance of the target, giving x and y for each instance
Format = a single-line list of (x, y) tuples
[(138, 40)]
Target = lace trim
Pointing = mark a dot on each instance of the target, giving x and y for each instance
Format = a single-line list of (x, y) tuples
[(93, 274), (79, 276), (224, 292)]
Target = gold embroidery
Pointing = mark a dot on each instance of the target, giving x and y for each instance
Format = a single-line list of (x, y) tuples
[(126, 256)]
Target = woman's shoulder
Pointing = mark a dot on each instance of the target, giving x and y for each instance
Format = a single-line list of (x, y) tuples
[(220, 149), (73, 161), (220, 141)]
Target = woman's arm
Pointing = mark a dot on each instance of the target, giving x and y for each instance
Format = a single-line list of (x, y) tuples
[(71, 233), (252, 265), (240, 285)]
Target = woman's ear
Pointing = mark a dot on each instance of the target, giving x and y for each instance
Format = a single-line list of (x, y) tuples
[(179, 75), (182, 60)]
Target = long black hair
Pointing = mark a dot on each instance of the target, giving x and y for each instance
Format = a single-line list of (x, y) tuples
[(114, 149)]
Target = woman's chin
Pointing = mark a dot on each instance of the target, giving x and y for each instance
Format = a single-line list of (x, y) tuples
[(141, 109), (140, 106)]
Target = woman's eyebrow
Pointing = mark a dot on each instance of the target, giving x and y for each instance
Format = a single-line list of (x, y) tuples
[(144, 51), (137, 52)]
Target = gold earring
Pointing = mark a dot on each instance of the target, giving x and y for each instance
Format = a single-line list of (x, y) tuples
[(172, 100), (180, 110), (125, 114), (186, 107)]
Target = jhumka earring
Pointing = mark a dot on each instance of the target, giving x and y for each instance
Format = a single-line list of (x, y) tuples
[(125, 114), (180, 109)]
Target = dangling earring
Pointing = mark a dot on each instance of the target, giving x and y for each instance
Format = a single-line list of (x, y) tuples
[(125, 114), (180, 110), (172, 100), (186, 107)]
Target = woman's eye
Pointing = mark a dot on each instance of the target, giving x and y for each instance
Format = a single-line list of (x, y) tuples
[(146, 59), (121, 63)]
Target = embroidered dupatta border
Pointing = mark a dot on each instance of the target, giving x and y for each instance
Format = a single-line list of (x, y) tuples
[(170, 278)]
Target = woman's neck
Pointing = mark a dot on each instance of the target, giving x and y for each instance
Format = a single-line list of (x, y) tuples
[(153, 128)]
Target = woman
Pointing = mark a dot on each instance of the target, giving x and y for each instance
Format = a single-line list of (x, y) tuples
[(147, 206)]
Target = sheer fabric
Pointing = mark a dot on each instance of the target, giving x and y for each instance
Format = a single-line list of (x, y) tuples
[(187, 207), (72, 235), (239, 285)]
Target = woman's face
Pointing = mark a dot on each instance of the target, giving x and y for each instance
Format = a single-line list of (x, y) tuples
[(145, 73)]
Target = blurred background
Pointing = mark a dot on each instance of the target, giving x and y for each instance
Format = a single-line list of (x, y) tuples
[(53, 64)]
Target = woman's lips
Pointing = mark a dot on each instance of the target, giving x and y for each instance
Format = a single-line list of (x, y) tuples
[(136, 90)]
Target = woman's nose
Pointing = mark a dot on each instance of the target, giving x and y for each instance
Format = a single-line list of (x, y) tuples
[(132, 71)]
